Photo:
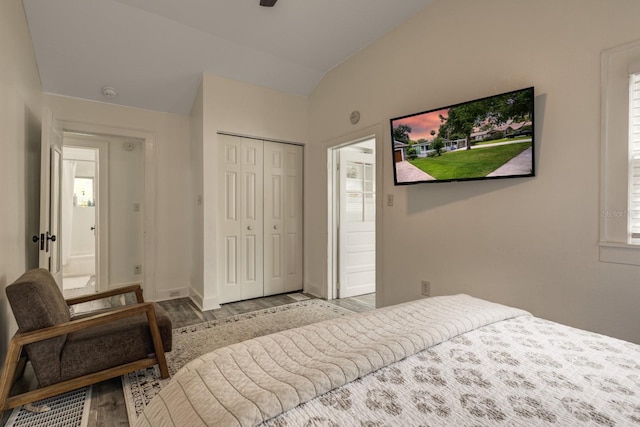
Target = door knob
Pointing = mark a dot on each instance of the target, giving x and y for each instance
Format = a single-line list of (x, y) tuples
[(44, 240), (93, 228), (275, 227), (249, 227), (40, 239)]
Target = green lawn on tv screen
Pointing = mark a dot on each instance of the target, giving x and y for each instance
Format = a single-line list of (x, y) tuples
[(474, 163)]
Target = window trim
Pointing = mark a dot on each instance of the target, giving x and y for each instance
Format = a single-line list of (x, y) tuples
[(614, 244), (634, 159)]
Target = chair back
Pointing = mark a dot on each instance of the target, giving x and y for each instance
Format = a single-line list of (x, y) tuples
[(37, 303)]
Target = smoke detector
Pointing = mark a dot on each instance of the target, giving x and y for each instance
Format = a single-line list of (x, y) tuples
[(109, 92)]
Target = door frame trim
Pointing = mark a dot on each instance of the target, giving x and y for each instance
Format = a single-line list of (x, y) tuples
[(50, 126), (148, 272)]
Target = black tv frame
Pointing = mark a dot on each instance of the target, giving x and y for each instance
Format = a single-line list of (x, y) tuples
[(531, 119)]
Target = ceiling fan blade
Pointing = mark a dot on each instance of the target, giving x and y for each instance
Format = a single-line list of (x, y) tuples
[(268, 3)]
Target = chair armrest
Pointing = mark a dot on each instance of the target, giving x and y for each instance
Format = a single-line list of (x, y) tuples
[(106, 294), (23, 338)]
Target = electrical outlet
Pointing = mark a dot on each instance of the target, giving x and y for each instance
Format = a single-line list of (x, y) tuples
[(137, 269), (426, 288), (174, 293)]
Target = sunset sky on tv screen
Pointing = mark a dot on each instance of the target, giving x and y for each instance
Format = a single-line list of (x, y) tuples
[(422, 124)]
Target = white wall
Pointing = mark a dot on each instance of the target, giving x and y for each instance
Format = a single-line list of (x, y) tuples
[(172, 209), (240, 108), (20, 113), (530, 242)]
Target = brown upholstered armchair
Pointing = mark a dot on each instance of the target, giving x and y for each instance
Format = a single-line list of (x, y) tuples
[(69, 352)]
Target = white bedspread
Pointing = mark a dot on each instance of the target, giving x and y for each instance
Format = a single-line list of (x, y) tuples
[(253, 381), (523, 371), (464, 362)]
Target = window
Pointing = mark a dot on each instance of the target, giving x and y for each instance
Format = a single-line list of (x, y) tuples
[(361, 203), (620, 159), (83, 192)]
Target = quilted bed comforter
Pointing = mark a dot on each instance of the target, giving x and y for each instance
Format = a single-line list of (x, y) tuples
[(451, 360)]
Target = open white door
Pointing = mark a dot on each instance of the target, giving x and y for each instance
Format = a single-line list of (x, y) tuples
[(50, 196), (357, 226)]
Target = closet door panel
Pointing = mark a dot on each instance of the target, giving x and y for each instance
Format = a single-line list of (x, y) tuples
[(293, 217), (229, 220), (231, 257), (252, 219), (274, 163)]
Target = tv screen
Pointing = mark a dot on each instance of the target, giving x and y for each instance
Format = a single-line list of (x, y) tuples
[(488, 138)]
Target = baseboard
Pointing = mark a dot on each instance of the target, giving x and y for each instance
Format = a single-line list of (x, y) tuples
[(316, 291), (167, 294), (204, 304)]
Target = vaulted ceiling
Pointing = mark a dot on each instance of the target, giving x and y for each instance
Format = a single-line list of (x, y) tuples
[(154, 51)]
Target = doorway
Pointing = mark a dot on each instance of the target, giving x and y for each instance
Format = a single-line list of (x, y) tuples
[(125, 241), (80, 220), (103, 213), (354, 222)]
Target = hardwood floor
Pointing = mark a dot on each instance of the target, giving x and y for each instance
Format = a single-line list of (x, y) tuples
[(107, 402), (183, 311)]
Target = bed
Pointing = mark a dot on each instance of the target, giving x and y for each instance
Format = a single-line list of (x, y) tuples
[(453, 360)]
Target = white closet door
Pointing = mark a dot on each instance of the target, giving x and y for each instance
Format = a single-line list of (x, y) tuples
[(293, 212), (229, 227), (274, 205), (282, 218), (240, 219), (252, 219)]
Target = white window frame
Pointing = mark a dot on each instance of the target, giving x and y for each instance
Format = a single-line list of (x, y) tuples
[(616, 244), (634, 154)]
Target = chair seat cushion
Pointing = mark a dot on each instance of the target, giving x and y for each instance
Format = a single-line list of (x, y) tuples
[(112, 344)]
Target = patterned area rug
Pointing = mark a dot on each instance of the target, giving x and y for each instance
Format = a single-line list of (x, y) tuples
[(70, 409), (193, 341)]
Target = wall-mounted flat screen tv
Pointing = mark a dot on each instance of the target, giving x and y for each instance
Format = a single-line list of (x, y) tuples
[(488, 138)]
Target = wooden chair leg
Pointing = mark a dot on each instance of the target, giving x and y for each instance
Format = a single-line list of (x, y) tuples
[(157, 343), (9, 370), (139, 296)]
